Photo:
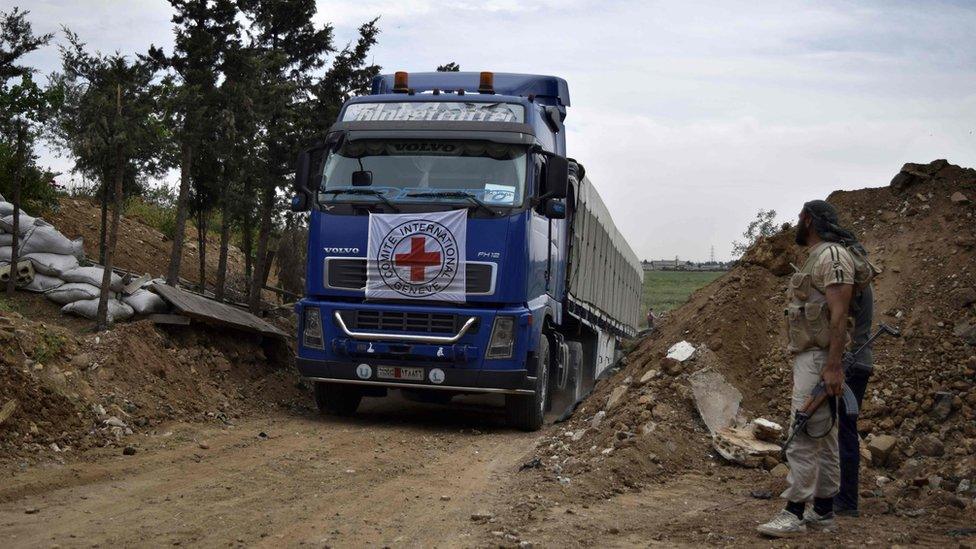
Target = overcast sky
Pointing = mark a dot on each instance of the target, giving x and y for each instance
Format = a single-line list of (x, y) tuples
[(688, 118)]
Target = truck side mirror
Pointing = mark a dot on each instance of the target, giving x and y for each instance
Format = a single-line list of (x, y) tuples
[(555, 209), (362, 178), (557, 177), (300, 200)]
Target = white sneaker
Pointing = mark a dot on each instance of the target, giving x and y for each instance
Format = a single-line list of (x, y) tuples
[(783, 525), (816, 521)]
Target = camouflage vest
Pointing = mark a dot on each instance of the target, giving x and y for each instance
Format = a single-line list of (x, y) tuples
[(807, 314)]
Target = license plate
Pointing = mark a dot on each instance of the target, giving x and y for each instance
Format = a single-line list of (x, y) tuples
[(396, 372)]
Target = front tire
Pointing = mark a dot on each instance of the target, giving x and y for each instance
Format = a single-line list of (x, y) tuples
[(527, 412), (337, 399)]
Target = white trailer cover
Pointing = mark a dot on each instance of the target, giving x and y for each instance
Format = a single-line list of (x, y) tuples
[(606, 278)]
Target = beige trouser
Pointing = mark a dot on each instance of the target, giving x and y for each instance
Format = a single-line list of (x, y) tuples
[(814, 462)]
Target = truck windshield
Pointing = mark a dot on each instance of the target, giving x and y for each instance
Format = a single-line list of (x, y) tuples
[(413, 171)]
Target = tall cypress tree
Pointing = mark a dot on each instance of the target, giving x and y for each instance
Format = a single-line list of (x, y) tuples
[(204, 29), (292, 50)]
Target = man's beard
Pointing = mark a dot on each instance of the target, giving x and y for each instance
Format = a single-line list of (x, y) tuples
[(802, 235)]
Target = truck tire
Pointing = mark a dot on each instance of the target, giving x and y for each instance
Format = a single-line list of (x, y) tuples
[(337, 399), (527, 412)]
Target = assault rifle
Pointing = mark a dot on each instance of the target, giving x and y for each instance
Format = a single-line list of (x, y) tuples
[(819, 394)]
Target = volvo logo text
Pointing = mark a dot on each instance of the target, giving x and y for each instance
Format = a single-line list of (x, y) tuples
[(341, 250)]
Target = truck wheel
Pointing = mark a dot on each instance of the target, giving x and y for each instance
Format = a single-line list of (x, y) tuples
[(527, 412), (337, 399)]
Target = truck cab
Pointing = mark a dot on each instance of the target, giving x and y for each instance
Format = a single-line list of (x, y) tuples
[(439, 241)]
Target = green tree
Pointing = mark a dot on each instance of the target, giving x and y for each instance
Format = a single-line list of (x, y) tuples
[(204, 30), (292, 48), (111, 125), (450, 67), (24, 107), (762, 226)]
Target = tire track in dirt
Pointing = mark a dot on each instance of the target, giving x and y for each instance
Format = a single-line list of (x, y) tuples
[(402, 473)]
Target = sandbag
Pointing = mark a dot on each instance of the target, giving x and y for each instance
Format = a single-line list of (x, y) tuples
[(27, 222), (52, 264), (43, 283), (7, 239), (144, 302), (46, 239), (6, 252), (93, 276), (88, 308), (73, 291), (24, 271), (6, 208)]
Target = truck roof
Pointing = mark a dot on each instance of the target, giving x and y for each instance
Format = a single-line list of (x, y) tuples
[(547, 89)]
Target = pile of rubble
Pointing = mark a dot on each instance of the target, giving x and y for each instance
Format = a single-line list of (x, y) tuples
[(62, 392), (50, 263), (919, 419)]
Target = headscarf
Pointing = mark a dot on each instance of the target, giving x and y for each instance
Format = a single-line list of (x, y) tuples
[(827, 224)]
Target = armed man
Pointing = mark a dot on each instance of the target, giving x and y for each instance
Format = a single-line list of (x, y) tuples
[(819, 300)]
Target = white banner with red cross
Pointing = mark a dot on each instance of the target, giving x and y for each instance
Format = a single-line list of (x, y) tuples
[(417, 256)]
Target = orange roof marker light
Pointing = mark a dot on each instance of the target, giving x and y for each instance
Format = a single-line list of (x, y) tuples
[(487, 84), (400, 82)]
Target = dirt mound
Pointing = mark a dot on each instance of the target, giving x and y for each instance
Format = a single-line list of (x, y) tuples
[(923, 392), (74, 391), (141, 248)]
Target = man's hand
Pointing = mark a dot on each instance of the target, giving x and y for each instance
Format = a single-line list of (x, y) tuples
[(833, 377)]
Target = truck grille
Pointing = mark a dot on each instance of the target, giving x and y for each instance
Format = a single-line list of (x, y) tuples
[(393, 321), (350, 274)]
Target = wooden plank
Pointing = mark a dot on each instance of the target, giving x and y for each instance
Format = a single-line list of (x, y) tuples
[(178, 320), (212, 312)]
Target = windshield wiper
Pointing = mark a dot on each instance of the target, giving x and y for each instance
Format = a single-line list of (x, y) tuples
[(455, 194), (365, 192)]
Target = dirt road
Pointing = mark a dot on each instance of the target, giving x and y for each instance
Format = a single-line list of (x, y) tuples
[(400, 474)]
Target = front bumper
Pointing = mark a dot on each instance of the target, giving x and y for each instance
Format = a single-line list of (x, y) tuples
[(468, 380)]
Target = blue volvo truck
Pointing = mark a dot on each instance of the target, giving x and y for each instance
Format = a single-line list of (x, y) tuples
[(454, 248)]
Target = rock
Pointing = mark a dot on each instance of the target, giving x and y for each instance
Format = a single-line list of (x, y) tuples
[(662, 411), (739, 445), (597, 419), (8, 410), (115, 422), (648, 375), (780, 471), (681, 351), (482, 516), (670, 366), (930, 445), (445, 498), (881, 447), (129, 451), (963, 297), (615, 396), (943, 405), (81, 361), (715, 398), (959, 198), (204, 445), (32, 510), (766, 430), (966, 331)]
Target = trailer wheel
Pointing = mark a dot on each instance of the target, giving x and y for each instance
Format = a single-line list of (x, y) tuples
[(527, 412), (337, 399)]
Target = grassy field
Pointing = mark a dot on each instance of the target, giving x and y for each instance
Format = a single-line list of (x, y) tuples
[(665, 290)]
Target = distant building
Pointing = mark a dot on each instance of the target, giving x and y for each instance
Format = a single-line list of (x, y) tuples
[(678, 265)]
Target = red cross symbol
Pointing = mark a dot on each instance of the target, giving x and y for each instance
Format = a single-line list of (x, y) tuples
[(418, 259)]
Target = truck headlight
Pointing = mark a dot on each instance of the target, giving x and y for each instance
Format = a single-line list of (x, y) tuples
[(502, 337), (312, 335)]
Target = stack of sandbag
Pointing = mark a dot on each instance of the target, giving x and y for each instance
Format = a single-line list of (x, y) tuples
[(50, 252), (57, 273)]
